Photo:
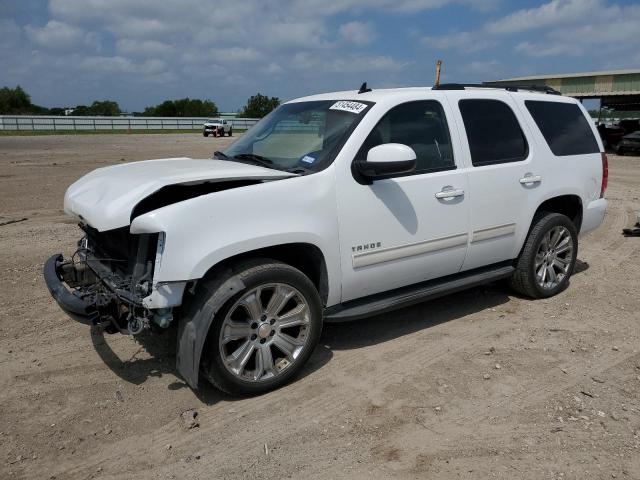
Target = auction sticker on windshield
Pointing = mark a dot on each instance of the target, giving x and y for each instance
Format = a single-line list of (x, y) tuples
[(347, 106)]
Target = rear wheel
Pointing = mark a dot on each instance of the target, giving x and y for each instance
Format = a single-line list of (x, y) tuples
[(548, 256), (262, 337), (230, 132)]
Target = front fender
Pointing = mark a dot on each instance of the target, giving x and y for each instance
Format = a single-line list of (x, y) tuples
[(202, 232)]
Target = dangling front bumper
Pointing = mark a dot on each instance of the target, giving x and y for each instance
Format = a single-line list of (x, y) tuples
[(81, 308)]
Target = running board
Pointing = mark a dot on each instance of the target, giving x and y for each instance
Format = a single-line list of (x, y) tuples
[(405, 296)]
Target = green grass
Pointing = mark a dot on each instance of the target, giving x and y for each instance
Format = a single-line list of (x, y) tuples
[(33, 133)]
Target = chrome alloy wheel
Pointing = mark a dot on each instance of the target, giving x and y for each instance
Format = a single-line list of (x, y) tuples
[(264, 332), (553, 258)]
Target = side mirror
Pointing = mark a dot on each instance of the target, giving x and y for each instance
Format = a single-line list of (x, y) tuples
[(387, 159)]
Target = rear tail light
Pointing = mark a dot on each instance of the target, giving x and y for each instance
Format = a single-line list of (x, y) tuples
[(605, 174)]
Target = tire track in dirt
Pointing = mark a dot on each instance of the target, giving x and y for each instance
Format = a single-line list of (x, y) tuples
[(324, 406), (430, 353), (530, 417), (341, 391)]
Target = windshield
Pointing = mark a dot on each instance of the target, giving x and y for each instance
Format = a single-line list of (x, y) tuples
[(304, 135)]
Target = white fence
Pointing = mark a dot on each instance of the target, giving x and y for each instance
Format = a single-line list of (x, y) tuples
[(49, 123)]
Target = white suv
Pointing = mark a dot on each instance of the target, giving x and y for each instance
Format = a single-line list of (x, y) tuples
[(333, 207)]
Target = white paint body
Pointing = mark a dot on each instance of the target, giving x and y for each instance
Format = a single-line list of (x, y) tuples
[(410, 234), (105, 197)]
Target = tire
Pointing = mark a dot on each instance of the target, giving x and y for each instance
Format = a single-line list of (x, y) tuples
[(205, 134), (540, 261), (271, 357), (230, 132)]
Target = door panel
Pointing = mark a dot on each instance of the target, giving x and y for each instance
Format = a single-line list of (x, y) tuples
[(497, 214), (501, 176), (396, 231)]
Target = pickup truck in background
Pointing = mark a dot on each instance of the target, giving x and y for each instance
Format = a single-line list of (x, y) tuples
[(217, 127)]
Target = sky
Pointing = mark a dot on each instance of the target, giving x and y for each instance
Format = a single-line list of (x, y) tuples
[(142, 52)]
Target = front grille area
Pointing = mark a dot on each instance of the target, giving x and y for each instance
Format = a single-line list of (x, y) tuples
[(118, 250)]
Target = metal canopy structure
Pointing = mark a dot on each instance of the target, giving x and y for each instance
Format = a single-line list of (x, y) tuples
[(616, 89)]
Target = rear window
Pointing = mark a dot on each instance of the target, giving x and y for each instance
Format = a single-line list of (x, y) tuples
[(564, 127), (493, 132)]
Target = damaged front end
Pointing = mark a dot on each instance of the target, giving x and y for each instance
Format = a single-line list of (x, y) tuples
[(109, 279)]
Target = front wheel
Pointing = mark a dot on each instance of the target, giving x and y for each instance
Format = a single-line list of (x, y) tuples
[(262, 337), (206, 134), (547, 258)]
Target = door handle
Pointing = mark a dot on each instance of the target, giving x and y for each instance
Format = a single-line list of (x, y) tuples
[(451, 193), (528, 178)]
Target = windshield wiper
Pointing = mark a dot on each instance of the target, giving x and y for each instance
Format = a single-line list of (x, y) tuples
[(220, 154), (299, 170), (258, 159)]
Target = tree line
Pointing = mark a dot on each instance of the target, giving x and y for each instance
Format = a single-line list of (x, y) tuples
[(15, 101)]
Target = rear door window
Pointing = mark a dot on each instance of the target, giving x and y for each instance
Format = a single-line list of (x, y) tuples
[(493, 132), (564, 127)]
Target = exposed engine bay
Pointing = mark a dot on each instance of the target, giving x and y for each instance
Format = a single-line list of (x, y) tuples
[(113, 271), (109, 279)]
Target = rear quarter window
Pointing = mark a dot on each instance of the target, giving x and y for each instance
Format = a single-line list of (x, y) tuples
[(564, 127)]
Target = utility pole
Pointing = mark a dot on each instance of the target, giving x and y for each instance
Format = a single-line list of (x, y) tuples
[(438, 67)]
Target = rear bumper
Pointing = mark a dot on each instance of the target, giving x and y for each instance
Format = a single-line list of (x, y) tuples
[(593, 215), (79, 309)]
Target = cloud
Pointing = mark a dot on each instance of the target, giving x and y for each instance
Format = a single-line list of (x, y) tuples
[(136, 47), (229, 55), (333, 7), (539, 50), (272, 69), (61, 36), (485, 69), (362, 64), (10, 34), (358, 33), (294, 34), (120, 65), (604, 30), (563, 27), (468, 42), (556, 12), (74, 50)]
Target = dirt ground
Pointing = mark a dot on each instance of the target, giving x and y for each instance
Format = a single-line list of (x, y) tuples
[(480, 384)]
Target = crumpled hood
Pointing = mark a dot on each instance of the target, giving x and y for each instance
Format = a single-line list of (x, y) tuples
[(106, 197)]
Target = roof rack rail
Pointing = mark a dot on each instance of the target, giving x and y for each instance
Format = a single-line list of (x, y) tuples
[(508, 87)]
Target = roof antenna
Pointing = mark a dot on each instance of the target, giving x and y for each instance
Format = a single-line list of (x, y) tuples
[(364, 88)]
